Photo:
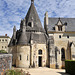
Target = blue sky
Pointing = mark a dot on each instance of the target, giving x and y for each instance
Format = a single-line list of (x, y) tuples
[(12, 11)]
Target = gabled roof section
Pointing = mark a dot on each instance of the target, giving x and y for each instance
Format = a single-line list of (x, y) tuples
[(59, 22), (22, 39), (32, 13), (68, 22)]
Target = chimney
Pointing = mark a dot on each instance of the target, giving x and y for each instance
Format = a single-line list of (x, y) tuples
[(5, 34)]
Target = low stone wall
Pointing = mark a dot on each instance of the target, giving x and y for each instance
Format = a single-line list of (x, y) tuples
[(5, 62)]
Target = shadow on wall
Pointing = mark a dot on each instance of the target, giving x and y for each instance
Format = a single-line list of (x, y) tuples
[(63, 73), (57, 51)]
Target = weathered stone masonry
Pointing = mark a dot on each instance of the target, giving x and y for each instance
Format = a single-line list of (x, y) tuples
[(5, 62)]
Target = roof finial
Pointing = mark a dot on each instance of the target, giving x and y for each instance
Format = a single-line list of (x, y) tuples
[(32, 1), (59, 18)]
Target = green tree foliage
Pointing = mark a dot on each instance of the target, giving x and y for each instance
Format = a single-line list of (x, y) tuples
[(3, 52)]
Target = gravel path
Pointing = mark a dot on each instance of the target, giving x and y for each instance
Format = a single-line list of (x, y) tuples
[(45, 71)]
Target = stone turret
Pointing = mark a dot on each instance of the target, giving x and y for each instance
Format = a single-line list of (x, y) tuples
[(23, 37), (32, 19)]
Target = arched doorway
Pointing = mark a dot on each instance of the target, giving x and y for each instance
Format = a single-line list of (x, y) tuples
[(63, 57), (40, 58)]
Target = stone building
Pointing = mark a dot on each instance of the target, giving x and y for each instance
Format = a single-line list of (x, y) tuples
[(4, 41), (62, 31), (29, 44), (33, 46)]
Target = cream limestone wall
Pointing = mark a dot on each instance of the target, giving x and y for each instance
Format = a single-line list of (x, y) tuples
[(62, 43), (4, 44), (56, 28), (23, 56), (73, 52), (13, 50), (35, 55)]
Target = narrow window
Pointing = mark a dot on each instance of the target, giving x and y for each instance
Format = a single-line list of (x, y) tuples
[(40, 52), (59, 36), (59, 28), (6, 40), (62, 54), (5, 47), (29, 24), (2, 46), (27, 57), (20, 57), (67, 36)]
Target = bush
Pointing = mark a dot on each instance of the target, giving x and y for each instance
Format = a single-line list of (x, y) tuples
[(3, 52), (15, 72), (70, 67)]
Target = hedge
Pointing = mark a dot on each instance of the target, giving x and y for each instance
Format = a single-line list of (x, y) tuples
[(70, 67)]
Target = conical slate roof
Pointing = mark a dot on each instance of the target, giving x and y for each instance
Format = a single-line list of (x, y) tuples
[(22, 39), (30, 24), (32, 13)]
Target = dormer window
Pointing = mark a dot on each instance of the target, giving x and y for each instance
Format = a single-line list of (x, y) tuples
[(59, 28)]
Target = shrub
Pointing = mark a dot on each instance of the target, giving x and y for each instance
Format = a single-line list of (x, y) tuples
[(3, 52), (70, 67), (15, 72)]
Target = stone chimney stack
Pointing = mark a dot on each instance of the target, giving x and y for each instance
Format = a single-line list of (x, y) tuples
[(24, 25), (46, 21), (5, 34), (14, 32)]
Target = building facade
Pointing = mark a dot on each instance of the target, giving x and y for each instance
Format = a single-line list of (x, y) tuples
[(29, 44), (33, 46), (62, 30), (4, 41)]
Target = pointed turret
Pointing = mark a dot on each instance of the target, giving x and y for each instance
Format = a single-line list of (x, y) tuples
[(14, 32), (32, 13), (23, 37)]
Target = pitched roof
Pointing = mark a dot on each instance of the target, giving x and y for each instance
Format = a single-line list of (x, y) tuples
[(31, 32), (32, 13), (22, 39), (70, 23), (4, 37)]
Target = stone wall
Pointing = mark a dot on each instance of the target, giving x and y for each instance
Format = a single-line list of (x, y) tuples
[(5, 62)]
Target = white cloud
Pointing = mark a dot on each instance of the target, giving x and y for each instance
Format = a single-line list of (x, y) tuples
[(11, 11)]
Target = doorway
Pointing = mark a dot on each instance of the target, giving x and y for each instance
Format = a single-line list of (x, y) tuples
[(40, 61), (63, 57)]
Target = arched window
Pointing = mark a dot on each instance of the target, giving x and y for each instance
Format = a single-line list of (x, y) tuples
[(29, 24), (62, 54), (40, 52)]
